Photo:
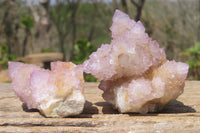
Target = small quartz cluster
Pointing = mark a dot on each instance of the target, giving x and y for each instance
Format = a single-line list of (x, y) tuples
[(55, 93), (134, 72)]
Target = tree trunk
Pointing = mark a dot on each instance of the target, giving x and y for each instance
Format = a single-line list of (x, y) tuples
[(139, 7), (124, 5), (91, 32), (62, 48), (139, 10), (7, 28), (115, 4), (198, 34), (43, 25), (73, 21), (25, 43)]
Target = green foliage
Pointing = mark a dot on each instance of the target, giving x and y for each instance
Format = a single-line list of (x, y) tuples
[(194, 62), (5, 57), (27, 22), (83, 49), (47, 50), (11, 57), (194, 54), (4, 49), (95, 17), (90, 78), (60, 14)]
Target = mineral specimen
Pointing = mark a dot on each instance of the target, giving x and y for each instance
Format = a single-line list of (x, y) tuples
[(55, 93), (134, 72)]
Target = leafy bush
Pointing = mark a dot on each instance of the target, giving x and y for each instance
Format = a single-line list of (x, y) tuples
[(27, 22), (5, 57), (83, 49), (194, 60)]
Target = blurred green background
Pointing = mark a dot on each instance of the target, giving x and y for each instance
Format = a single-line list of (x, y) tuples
[(76, 28)]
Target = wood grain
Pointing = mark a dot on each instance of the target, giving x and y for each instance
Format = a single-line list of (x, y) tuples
[(181, 115)]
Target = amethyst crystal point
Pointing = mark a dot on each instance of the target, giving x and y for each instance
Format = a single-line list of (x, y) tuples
[(134, 72)]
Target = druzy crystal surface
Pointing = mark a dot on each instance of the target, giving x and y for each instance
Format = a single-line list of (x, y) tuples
[(56, 93), (134, 72)]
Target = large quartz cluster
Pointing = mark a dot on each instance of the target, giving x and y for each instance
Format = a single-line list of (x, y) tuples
[(134, 72), (56, 93)]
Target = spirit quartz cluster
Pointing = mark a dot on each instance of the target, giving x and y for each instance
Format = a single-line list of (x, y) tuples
[(134, 72), (55, 93)]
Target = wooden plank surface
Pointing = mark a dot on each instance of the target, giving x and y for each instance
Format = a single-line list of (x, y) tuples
[(181, 115)]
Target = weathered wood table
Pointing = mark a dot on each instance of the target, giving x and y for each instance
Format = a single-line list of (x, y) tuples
[(181, 115)]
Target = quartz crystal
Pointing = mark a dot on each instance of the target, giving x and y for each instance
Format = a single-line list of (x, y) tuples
[(55, 93), (134, 72)]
